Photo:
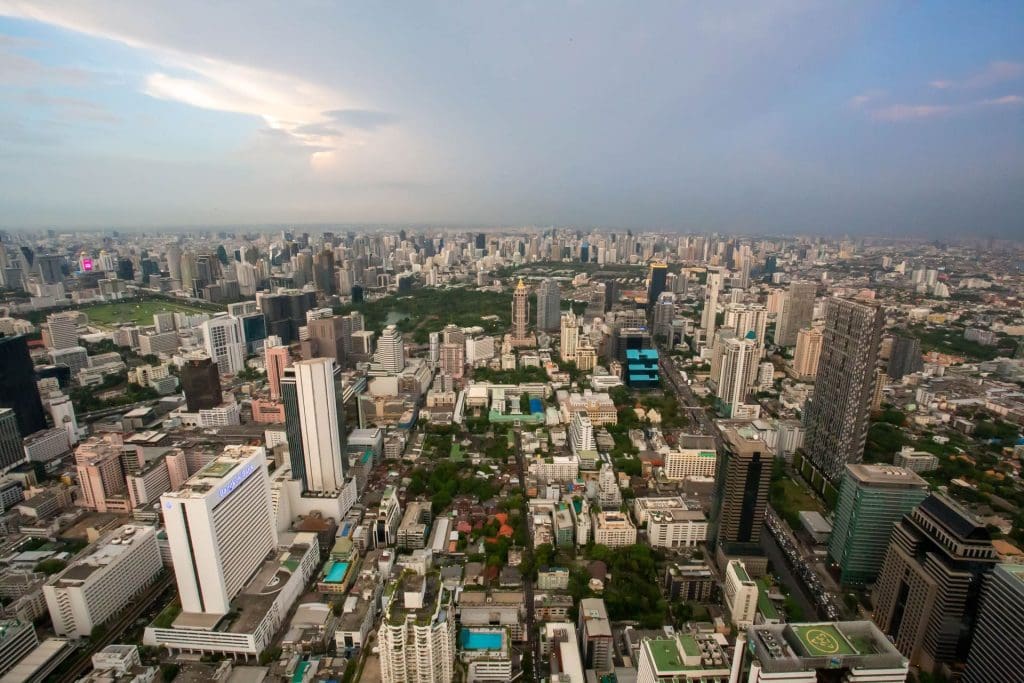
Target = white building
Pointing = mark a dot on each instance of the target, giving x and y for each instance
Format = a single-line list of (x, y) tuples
[(570, 336), (738, 369), (63, 414), (581, 433), (225, 343), (94, 588), (62, 329), (613, 529), (682, 658), (391, 350), (320, 423), (740, 595), (564, 468), (417, 633), (695, 457), (220, 528)]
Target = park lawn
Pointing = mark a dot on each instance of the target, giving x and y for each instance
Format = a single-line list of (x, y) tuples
[(789, 498), (136, 312)]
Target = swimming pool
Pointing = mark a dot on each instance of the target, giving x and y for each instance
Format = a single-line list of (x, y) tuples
[(480, 640), (336, 573)]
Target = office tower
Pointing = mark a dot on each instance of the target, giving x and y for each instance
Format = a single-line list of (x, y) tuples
[(741, 492), (905, 357), (326, 339), (656, 277), (96, 586), (548, 305), (18, 390), (225, 344), (520, 315), (997, 649), (797, 312), (708, 323), (417, 631), (927, 594), (11, 451), (664, 313), (570, 336), (18, 639), (847, 651), (581, 432), (836, 416), (315, 424), (276, 359), (595, 633), (201, 383), (391, 350), (74, 357), (808, 352), (61, 331), (62, 412), (323, 271), (188, 272), (174, 262), (350, 325), (610, 295), (872, 499), (220, 528), (453, 359), (738, 369)]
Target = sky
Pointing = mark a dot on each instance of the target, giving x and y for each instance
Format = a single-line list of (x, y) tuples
[(877, 118)]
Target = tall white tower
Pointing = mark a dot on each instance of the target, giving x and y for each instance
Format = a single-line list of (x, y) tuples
[(391, 350), (321, 424), (570, 336), (225, 343)]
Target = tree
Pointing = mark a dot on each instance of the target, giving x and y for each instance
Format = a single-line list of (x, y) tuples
[(51, 566)]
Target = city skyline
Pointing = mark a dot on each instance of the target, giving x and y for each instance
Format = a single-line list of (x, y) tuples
[(859, 119)]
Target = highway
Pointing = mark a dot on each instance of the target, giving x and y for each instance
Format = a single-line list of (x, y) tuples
[(533, 641)]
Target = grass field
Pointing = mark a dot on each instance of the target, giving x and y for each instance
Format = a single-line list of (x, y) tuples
[(140, 313)]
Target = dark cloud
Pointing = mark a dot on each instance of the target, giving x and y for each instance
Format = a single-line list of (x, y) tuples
[(364, 119)]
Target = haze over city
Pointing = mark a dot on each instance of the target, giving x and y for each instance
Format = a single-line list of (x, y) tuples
[(879, 118)]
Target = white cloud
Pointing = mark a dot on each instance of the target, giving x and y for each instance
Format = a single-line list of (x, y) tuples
[(992, 74), (918, 112)]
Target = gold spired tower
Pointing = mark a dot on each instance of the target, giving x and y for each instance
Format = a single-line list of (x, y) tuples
[(521, 316)]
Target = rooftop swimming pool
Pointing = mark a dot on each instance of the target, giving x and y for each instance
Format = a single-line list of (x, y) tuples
[(480, 640), (336, 573)]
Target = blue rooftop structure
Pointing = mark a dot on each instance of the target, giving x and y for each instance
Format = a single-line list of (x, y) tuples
[(641, 370)]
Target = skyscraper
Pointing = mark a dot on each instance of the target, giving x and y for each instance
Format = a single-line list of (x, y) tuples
[(927, 594), (225, 343), (808, 352), (276, 359), (664, 313), (200, 381), (11, 451), (61, 331), (315, 424), (872, 499), (738, 369), (391, 350), (570, 336), (797, 312), (220, 528), (548, 305), (836, 416), (714, 284), (417, 631), (905, 357), (18, 390), (997, 649), (742, 483), (520, 316), (656, 282), (326, 339)]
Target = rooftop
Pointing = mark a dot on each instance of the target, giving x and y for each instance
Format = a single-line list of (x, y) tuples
[(886, 475), (825, 645), (102, 554)]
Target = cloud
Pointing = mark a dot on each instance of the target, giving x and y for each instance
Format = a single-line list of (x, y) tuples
[(72, 108), (865, 98), (18, 69), (363, 119), (292, 105), (993, 74), (916, 112)]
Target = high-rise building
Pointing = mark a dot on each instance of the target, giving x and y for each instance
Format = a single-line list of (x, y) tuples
[(453, 359), (997, 649), (11, 451), (326, 339), (61, 330), (872, 499), (847, 651), (708, 323), (656, 277), (17, 639), (664, 313), (836, 416), (98, 585), (315, 424), (742, 485), (595, 633), (200, 380), (740, 595), (747, 318), (905, 357), (808, 352), (62, 412), (927, 594), (220, 528), (521, 315), (391, 350), (570, 336), (18, 390), (548, 305), (276, 359), (225, 343), (581, 432), (417, 631), (797, 312), (738, 370)]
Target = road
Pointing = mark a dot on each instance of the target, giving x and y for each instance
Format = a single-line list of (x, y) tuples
[(781, 569), (139, 604), (674, 380), (533, 641)]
